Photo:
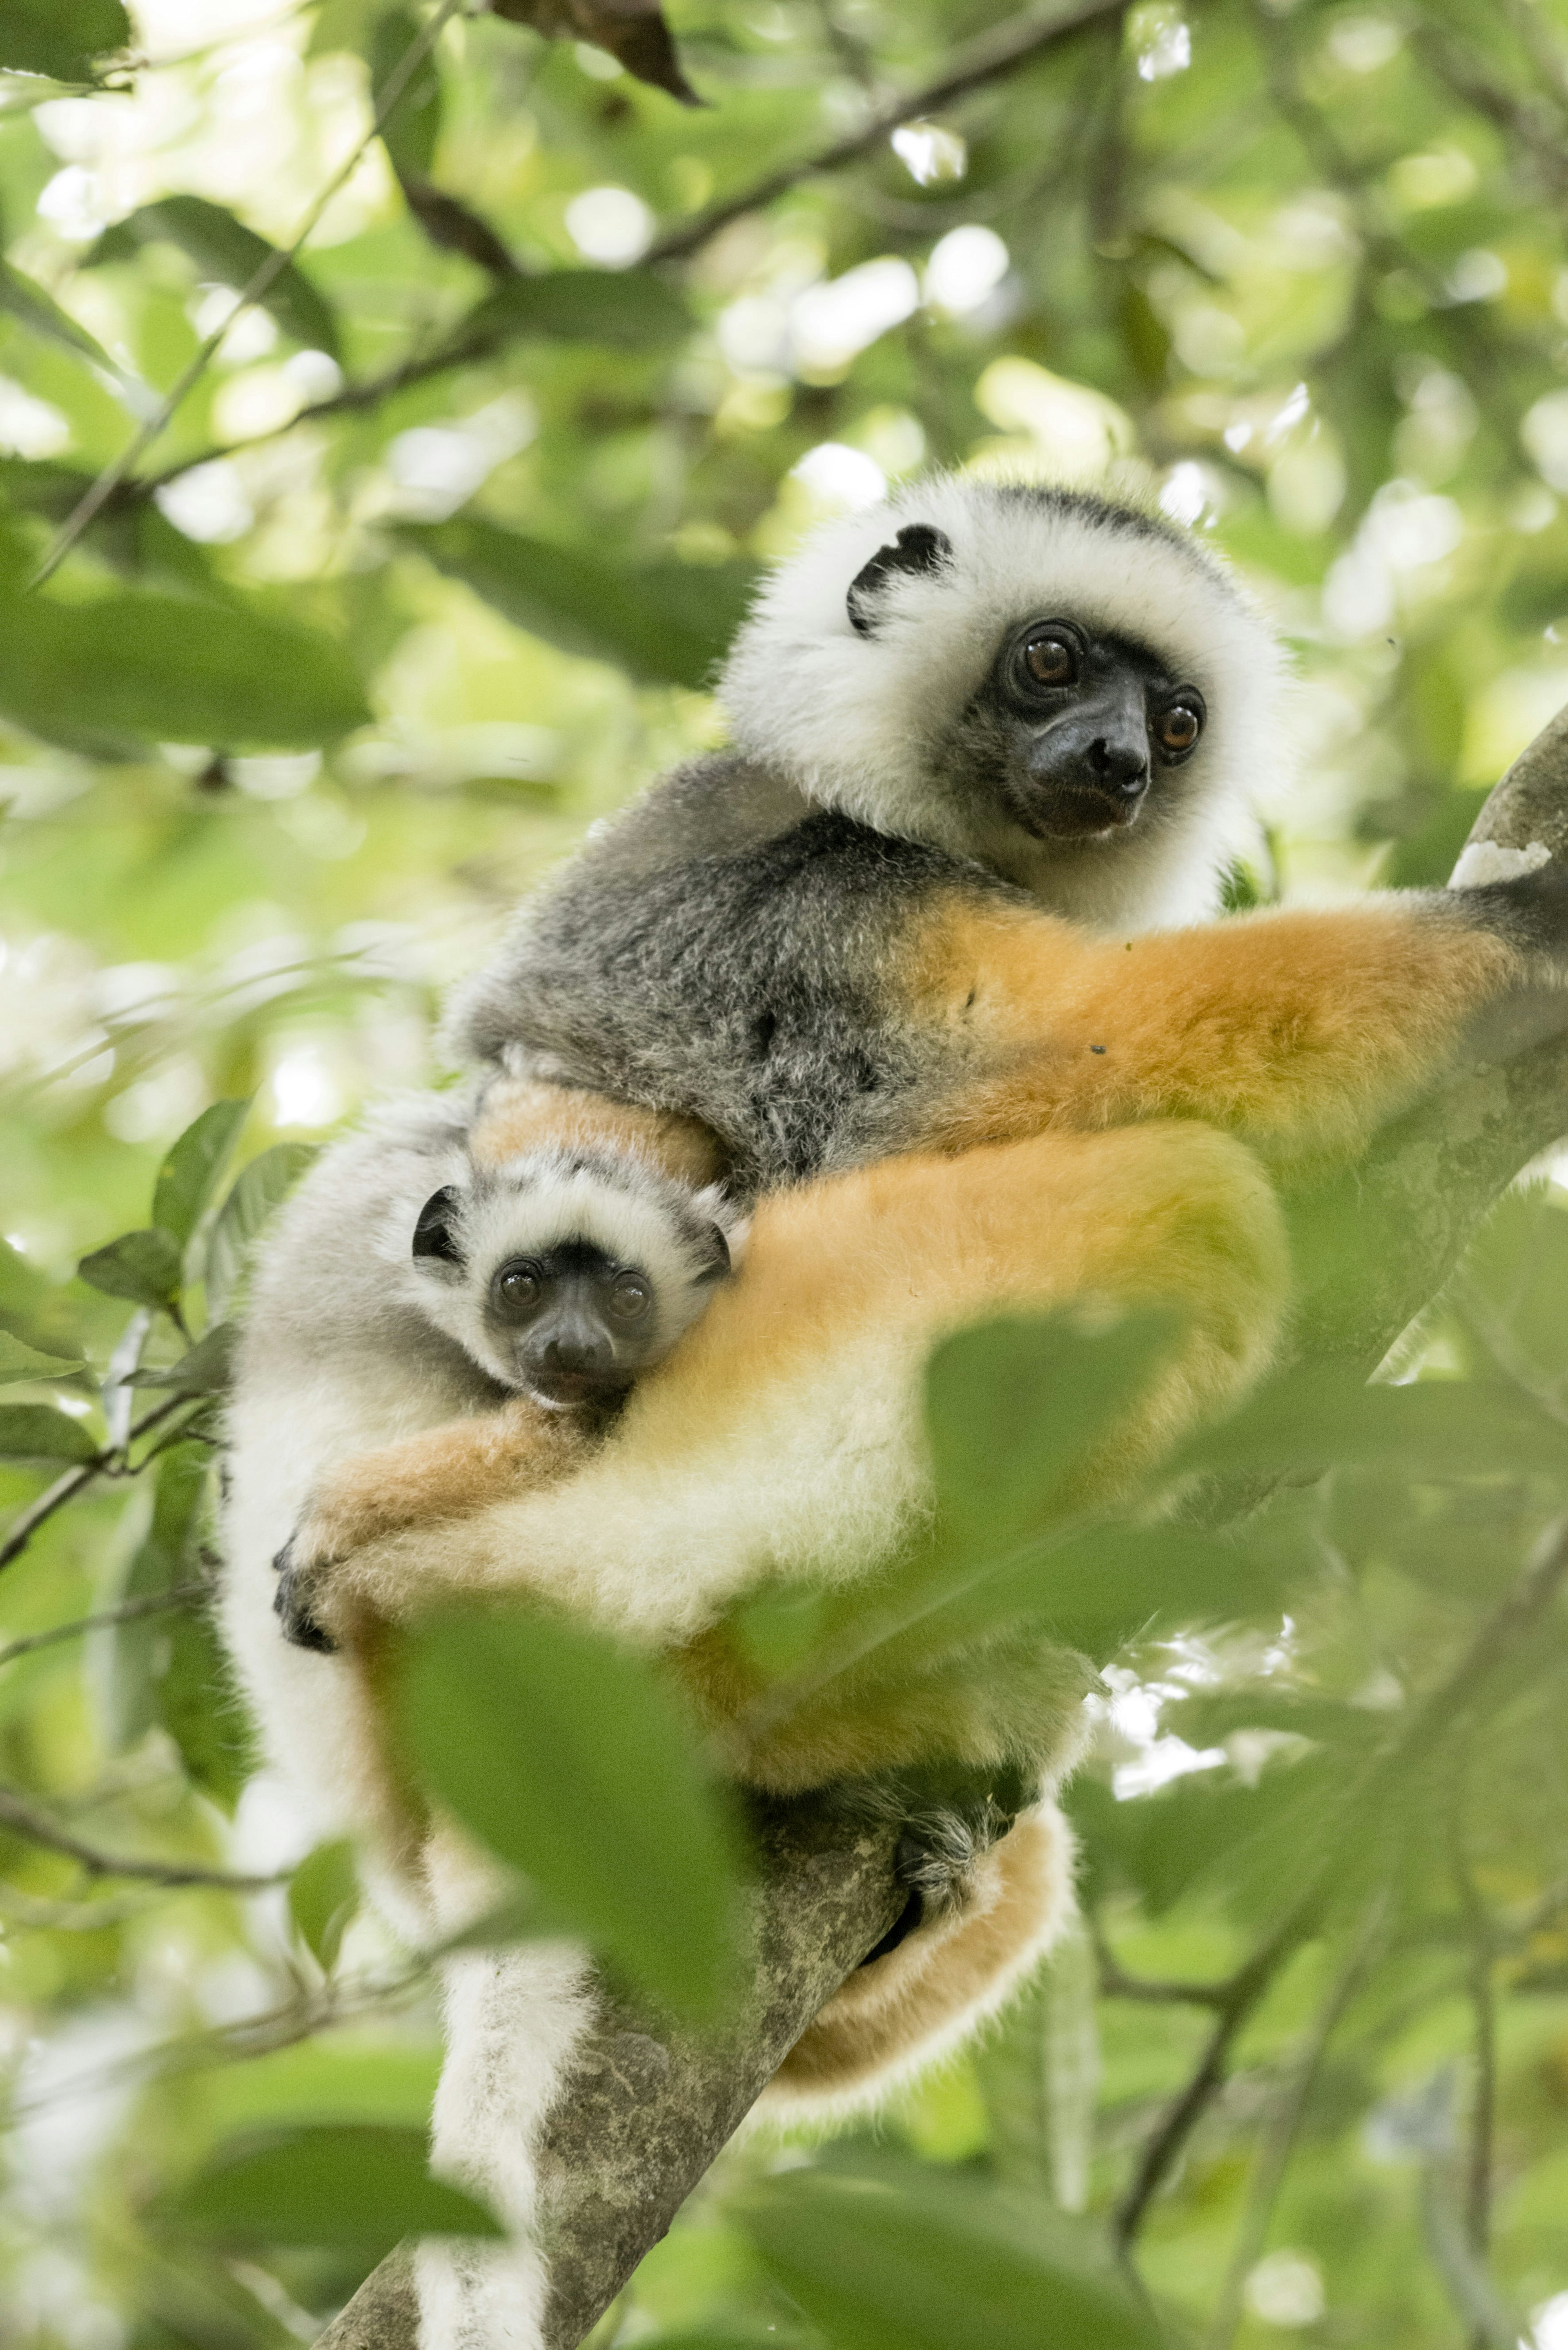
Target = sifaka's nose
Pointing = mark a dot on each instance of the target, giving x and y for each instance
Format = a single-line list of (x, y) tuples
[(1120, 767), (578, 1350)]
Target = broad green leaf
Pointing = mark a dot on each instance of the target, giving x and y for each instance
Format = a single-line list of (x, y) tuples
[(189, 1175), (257, 1191), (1014, 1407), (144, 1266), (28, 304), (633, 31), (19, 1361), (896, 2259), (359, 2187), (169, 670), (630, 309), (1313, 1421), (527, 1726), (1258, 1845), (36, 1431), (223, 250), (411, 133), (62, 38), (194, 1699), (127, 1661), (323, 1894), (668, 625), (206, 1369)]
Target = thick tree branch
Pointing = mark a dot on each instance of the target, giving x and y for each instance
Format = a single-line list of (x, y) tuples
[(649, 2112)]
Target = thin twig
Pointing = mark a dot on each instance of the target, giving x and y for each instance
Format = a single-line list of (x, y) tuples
[(25, 1820), (157, 1603), (264, 276), (1482, 1989), (1274, 2153), (108, 1462), (1115, 1983), (996, 54)]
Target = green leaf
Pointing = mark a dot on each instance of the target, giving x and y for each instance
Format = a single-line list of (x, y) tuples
[(228, 253), (36, 1431), (668, 625), (1313, 1420), (188, 1176), (127, 1661), (527, 1726), (62, 38), (31, 308), (323, 1894), (357, 2187), (144, 1266), (630, 309), (166, 669), (260, 1187), (893, 2259), (18, 1361), (193, 1698), (410, 133), (206, 1369), (1015, 1406)]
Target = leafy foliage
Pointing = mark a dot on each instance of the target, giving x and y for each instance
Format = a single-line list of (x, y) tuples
[(429, 570)]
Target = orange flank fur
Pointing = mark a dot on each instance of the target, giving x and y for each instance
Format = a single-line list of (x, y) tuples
[(1301, 1032)]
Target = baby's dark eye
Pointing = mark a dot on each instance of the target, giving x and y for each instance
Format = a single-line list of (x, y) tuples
[(517, 1287), (629, 1296), (1050, 659), (1178, 729)]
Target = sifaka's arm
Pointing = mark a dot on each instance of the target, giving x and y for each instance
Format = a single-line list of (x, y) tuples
[(1301, 1031)]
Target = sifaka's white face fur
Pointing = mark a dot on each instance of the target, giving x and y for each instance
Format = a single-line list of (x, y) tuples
[(859, 716), (639, 1251)]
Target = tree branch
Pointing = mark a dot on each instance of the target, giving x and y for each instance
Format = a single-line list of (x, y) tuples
[(23, 1820), (994, 54), (647, 2113)]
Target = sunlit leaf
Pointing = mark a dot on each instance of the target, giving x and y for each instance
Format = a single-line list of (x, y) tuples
[(19, 1361), (38, 312), (668, 625), (189, 1175), (323, 1894), (144, 1266), (169, 670), (259, 1189), (358, 2186), (1313, 1421), (903, 2260), (526, 1725), (36, 1431), (66, 39), (618, 307), (410, 133), (228, 253)]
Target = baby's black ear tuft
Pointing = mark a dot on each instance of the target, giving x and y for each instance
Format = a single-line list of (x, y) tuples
[(432, 1228), (919, 547), (717, 1263)]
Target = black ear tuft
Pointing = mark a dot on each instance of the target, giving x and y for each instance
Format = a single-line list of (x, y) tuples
[(432, 1228), (718, 1247), (919, 547)]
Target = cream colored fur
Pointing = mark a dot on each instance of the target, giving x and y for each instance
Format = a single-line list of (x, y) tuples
[(857, 721)]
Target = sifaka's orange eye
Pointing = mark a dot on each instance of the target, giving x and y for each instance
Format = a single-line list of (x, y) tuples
[(1178, 729), (1050, 659)]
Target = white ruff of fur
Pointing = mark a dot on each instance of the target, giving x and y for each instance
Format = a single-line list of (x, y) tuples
[(856, 720)]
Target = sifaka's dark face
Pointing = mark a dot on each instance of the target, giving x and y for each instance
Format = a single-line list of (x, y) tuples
[(578, 1326), (1075, 735)]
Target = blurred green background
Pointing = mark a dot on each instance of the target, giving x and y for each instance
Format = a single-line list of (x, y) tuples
[(431, 576)]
